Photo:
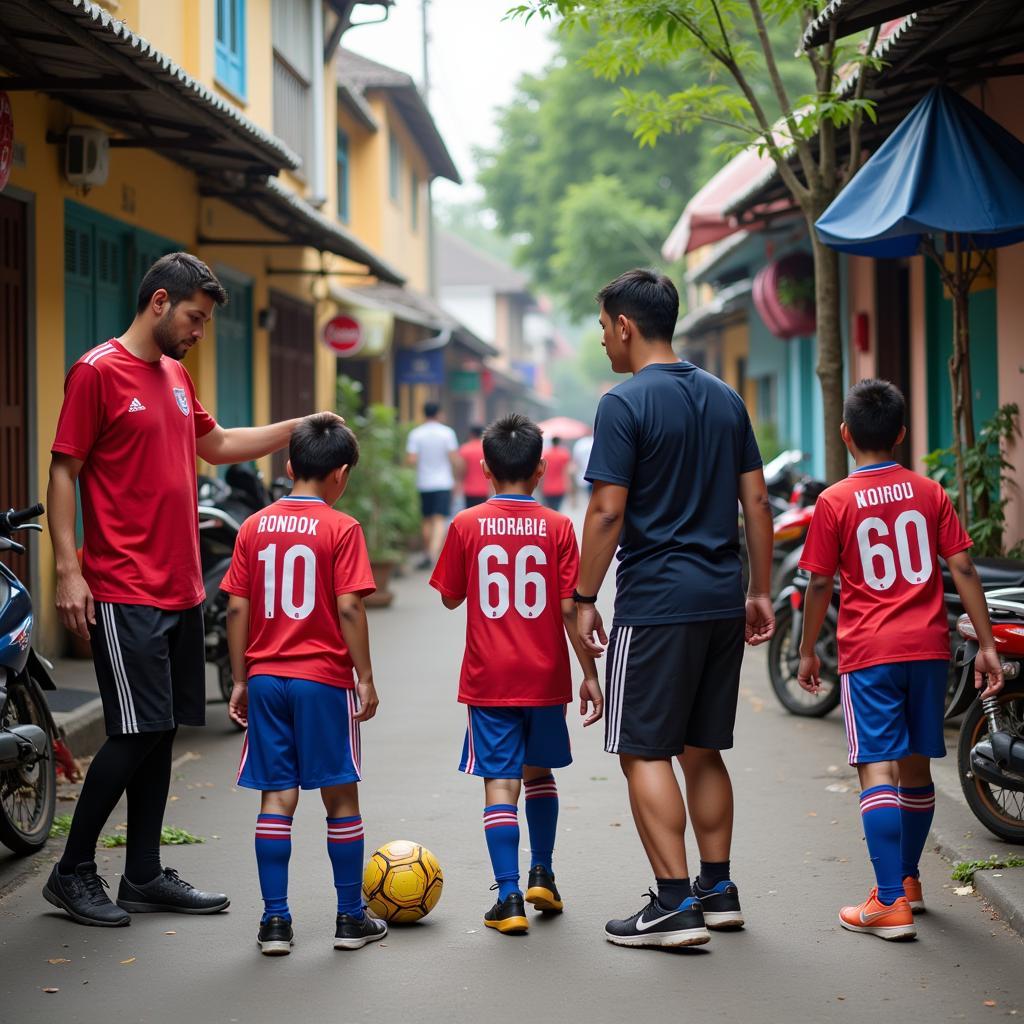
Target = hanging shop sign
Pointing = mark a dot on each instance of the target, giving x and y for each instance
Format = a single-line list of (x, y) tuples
[(412, 367), (343, 335), (6, 139)]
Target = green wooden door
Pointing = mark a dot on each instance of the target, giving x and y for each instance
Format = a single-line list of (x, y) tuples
[(234, 353), (984, 358)]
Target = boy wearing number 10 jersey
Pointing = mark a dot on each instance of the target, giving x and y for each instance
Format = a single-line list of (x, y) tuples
[(883, 528), (300, 658), (515, 564)]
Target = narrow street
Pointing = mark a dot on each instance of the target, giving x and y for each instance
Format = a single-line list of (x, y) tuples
[(798, 855)]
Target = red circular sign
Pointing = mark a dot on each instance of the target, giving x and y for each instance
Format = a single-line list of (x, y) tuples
[(6, 139), (343, 335)]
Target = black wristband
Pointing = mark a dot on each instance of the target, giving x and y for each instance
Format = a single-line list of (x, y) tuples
[(582, 599)]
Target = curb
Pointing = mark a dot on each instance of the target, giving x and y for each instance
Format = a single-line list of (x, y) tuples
[(84, 730)]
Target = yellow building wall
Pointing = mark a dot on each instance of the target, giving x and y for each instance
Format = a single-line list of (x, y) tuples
[(736, 346)]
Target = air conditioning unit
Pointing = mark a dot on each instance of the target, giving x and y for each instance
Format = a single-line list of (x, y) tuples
[(86, 156)]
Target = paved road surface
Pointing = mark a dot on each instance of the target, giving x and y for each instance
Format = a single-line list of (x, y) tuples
[(799, 854)]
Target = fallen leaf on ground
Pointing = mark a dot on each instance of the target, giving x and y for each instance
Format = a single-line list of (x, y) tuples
[(812, 814), (989, 1002), (59, 960), (963, 890), (51, 989), (130, 960), (170, 933)]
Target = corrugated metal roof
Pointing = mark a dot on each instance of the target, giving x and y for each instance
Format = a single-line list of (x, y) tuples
[(850, 16)]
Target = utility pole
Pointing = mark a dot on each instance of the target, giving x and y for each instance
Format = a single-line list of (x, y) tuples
[(431, 236)]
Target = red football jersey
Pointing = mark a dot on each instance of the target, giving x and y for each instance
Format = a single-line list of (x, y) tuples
[(474, 483), (555, 480), (883, 528), (134, 425), (291, 561), (514, 561)]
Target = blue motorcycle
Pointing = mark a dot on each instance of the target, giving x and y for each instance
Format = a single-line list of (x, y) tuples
[(28, 784)]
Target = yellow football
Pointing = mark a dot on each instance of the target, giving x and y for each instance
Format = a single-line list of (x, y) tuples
[(402, 882)]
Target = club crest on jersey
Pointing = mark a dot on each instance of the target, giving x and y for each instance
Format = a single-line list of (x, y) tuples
[(182, 399)]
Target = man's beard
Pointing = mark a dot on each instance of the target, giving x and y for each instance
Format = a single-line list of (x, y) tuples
[(167, 342)]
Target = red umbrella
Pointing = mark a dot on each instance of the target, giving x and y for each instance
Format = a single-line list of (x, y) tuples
[(564, 427)]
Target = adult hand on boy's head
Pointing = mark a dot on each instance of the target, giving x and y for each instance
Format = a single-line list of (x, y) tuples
[(808, 674), (590, 694), (238, 706), (368, 701), (987, 663)]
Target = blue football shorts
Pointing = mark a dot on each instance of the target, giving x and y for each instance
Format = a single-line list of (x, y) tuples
[(501, 740), (301, 734), (895, 710)]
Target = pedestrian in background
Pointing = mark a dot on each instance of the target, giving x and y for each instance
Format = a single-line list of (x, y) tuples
[(555, 482), (475, 489), (128, 435), (580, 457), (673, 456), (432, 449)]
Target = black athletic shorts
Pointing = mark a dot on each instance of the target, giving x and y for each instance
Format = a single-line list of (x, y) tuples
[(151, 667), (472, 500), (435, 503), (672, 686)]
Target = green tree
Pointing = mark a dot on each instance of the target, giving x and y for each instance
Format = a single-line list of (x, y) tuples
[(727, 47)]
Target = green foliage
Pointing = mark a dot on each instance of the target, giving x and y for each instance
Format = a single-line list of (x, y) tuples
[(769, 442), (170, 835), (381, 491), (986, 469), (964, 870)]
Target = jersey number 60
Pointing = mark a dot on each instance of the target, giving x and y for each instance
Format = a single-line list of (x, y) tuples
[(493, 581)]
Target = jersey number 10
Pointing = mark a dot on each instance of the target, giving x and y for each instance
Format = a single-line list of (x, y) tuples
[(496, 583), (290, 567)]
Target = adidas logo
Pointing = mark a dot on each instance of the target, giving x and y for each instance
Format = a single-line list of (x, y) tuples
[(136, 406)]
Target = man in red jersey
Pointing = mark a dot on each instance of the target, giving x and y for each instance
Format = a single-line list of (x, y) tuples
[(515, 564), (475, 489), (128, 434), (298, 638), (884, 528), (556, 477)]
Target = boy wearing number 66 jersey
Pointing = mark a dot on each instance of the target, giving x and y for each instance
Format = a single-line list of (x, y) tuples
[(884, 528), (515, 564), (300, 658)]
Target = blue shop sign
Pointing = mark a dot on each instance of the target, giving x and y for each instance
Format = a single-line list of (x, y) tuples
[(413, 367)]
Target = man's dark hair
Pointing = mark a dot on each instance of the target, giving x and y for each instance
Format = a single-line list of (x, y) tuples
[(181, 275), (647, 298), (874, 413), (476, 430), (513, 447), (321, 444), (431, 409)]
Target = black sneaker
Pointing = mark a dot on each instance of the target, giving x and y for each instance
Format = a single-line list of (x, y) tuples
[(721, 904), (275, 937), (81, 895), (657, 926), (170, 893), (355, 932), (508, 915), (541, 891)]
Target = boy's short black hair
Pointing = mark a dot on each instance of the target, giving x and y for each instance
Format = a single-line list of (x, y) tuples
[(874, 413), (647, 298), (321, 444), (431, 409), (181, 275), (513, 447)]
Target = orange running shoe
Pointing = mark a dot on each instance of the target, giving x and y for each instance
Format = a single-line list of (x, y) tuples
[(893, 923), (915, 897)]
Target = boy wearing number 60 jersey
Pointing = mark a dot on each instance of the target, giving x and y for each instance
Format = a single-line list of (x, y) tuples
[(300, 658), (515, 565), (884, 528)]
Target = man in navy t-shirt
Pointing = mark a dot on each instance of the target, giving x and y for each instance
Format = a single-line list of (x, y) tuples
[(674, 456)]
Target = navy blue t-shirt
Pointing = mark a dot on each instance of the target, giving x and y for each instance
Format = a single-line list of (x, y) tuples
[(678, 438)]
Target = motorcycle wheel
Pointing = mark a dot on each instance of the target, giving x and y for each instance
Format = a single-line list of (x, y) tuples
[(782, 669), (1001, 811), (28, 794)]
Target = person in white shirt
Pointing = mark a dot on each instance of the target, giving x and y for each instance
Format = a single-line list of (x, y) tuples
[(580, 458), (433, 449)]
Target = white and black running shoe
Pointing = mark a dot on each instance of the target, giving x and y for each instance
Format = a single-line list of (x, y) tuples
[(275, 936), (721, 904), (657, 926), (353, 932)]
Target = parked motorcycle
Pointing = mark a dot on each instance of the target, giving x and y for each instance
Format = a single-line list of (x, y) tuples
[(990, 747), (28, 784), (781, 476)]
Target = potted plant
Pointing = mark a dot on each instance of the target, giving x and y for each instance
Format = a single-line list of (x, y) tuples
[(381, 492)]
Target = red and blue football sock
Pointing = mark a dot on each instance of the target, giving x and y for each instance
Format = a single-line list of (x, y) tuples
[(345, 848), (501, 830), (917, 808), (542, 819), (880, 813), (273, 851)]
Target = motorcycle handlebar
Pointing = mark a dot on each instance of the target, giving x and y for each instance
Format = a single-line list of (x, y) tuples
[(14, 519)]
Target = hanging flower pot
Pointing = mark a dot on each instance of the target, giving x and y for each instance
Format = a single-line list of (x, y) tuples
[(784, 295)]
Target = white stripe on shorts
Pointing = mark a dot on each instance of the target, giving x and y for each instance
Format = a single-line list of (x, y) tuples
[(129, 722), (616, 688), (353, 734)]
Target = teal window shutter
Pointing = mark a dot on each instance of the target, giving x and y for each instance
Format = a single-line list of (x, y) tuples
[(230, 44)]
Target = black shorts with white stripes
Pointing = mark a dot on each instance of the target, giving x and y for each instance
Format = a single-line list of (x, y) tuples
[(151, 667), (672, 686)]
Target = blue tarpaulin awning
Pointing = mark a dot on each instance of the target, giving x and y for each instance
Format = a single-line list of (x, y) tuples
[(948, 168)]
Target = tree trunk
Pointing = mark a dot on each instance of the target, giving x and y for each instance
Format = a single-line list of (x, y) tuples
[(830, 350), (956, 382)]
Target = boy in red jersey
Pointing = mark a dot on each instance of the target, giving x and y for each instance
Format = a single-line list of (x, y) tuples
[(296, 630), (515, 564), (884, 528)]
